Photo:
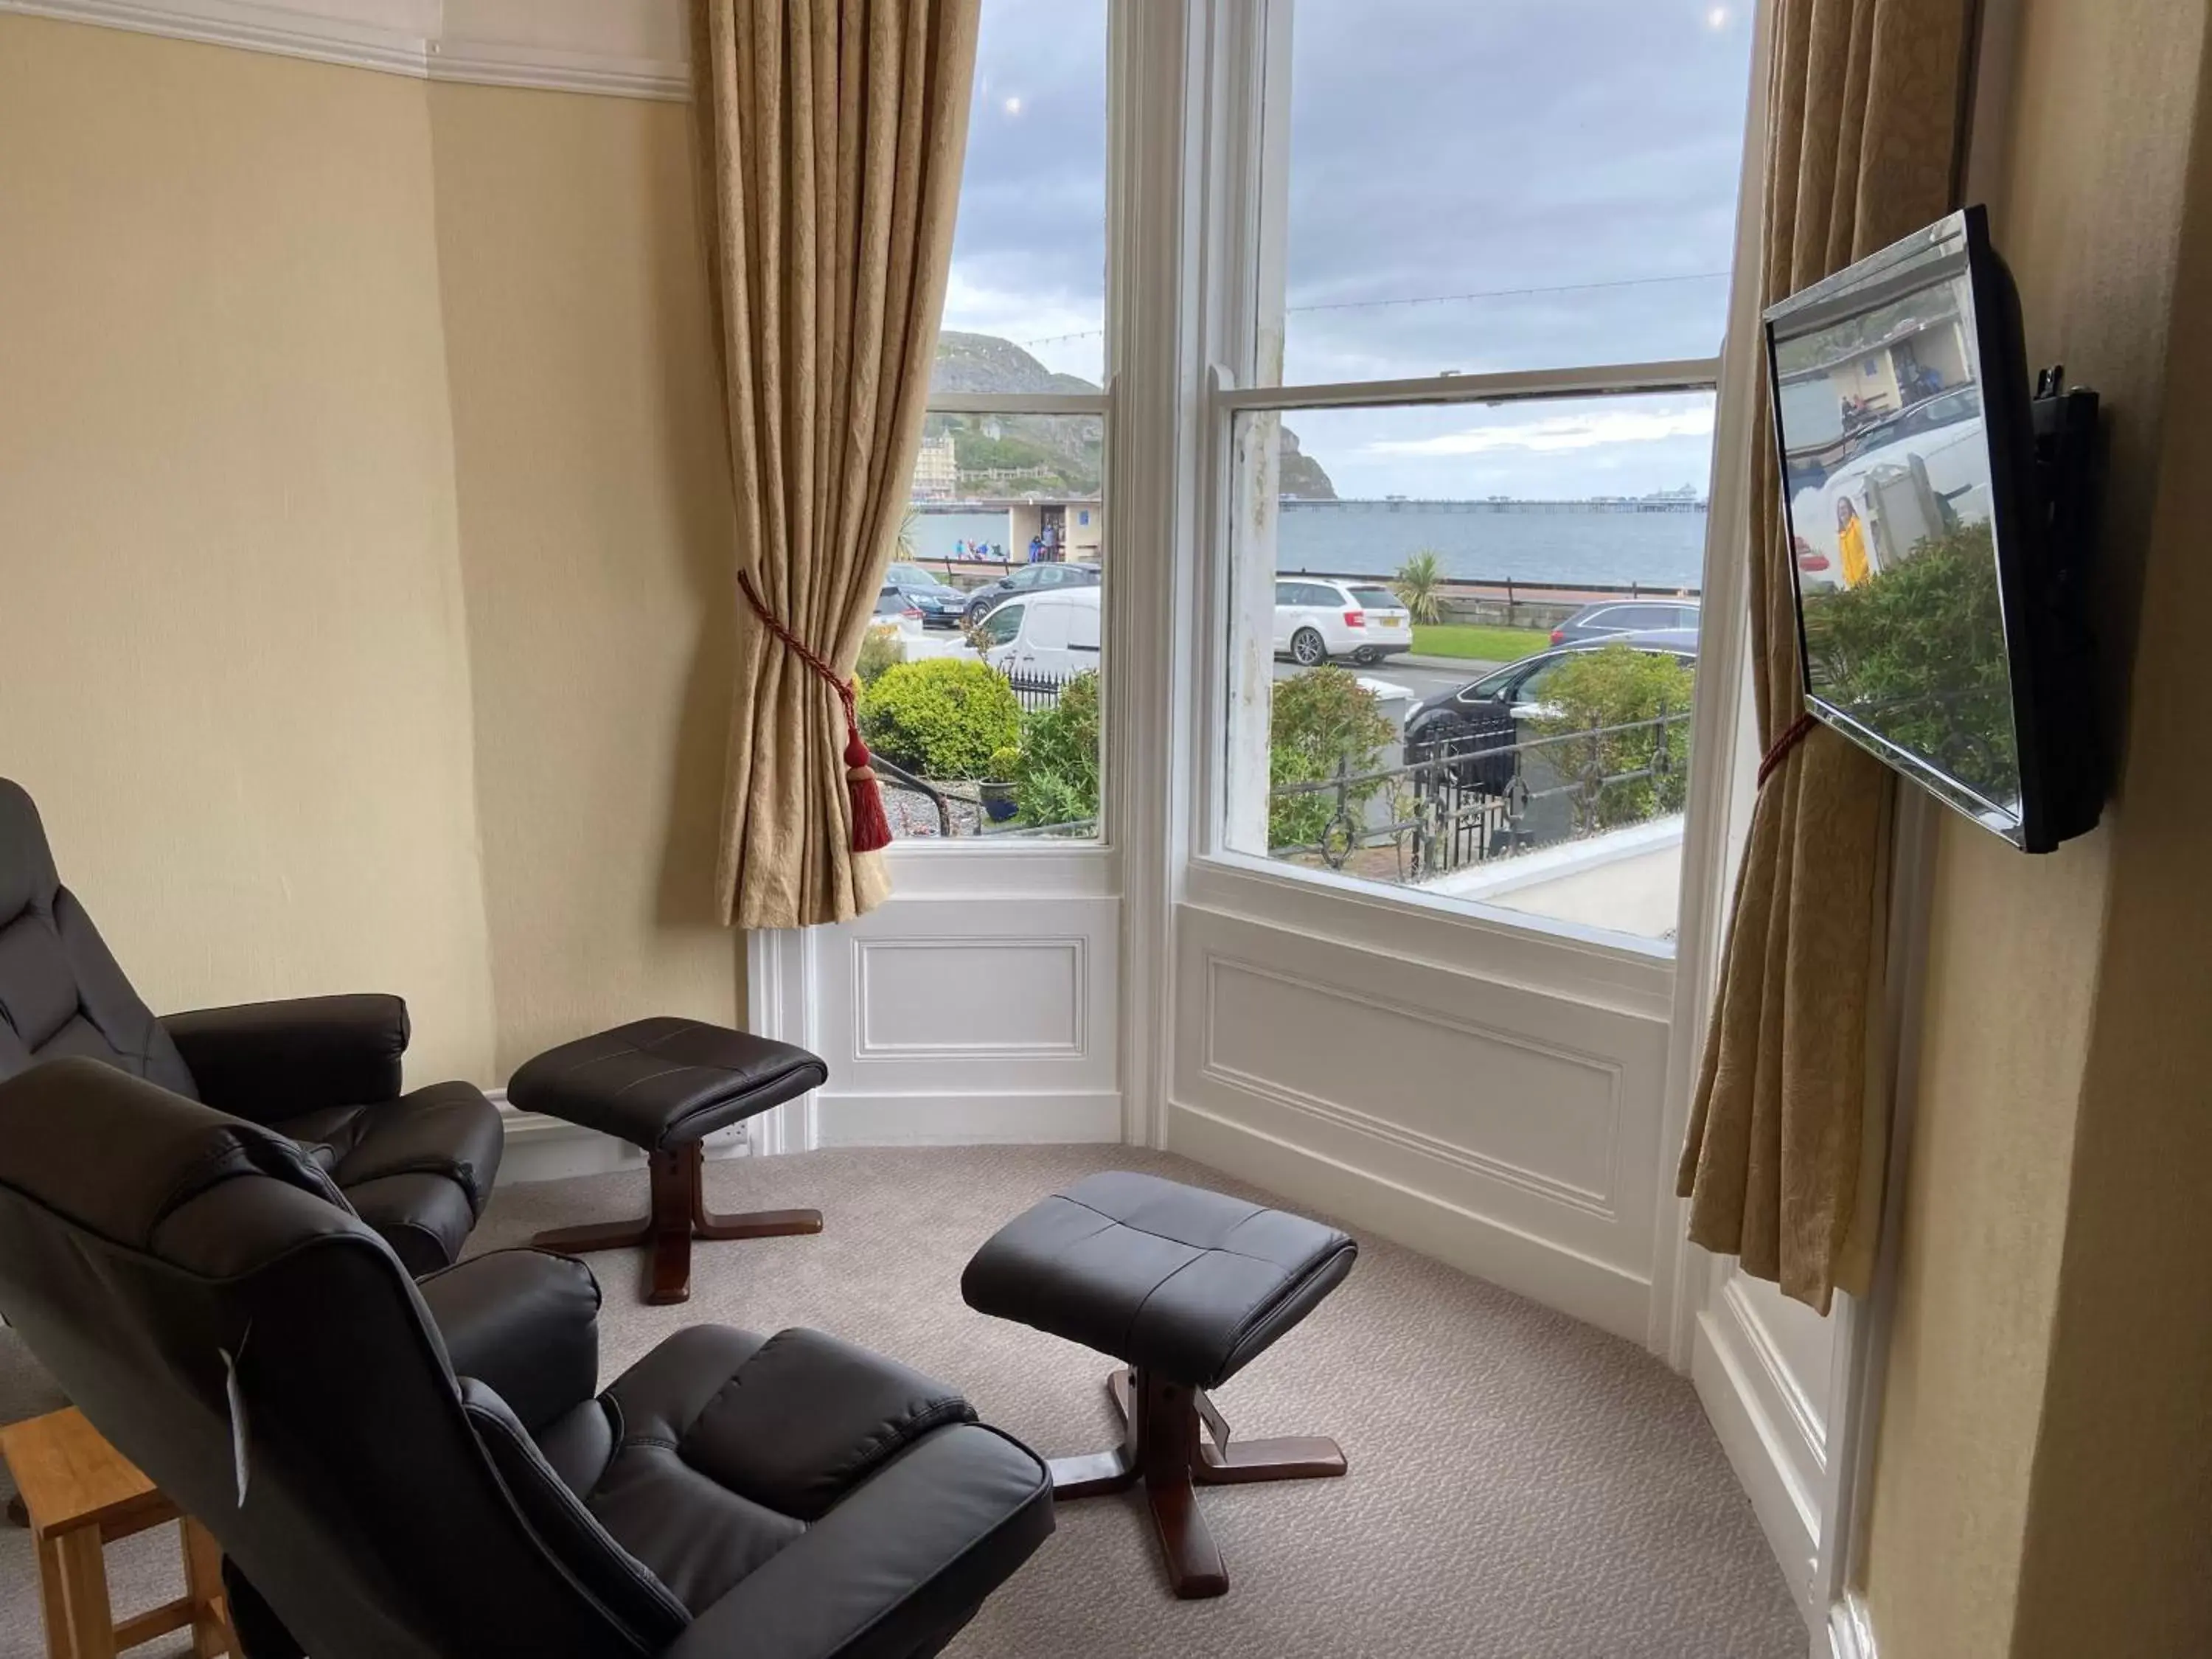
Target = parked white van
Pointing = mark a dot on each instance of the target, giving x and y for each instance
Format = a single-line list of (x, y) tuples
[(1052, 632)]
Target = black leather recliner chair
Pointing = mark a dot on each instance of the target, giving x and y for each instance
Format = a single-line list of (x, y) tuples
[(398, 1471), (324, 1071)]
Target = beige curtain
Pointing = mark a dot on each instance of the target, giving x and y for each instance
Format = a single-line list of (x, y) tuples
[(831, 138), (1783, 1165)]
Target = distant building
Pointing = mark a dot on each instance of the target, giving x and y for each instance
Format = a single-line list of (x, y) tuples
[(936, 470), (1918, 354)]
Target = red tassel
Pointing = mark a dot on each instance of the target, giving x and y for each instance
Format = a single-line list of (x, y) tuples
[(872, 828)]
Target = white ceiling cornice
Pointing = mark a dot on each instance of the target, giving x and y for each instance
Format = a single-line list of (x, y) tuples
[(621, 48)]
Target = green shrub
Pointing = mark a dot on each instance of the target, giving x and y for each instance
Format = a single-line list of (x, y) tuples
[(1321, 718), (943, 718), (1619, 685), (1917, 651), (879, 649), (1055, 776)]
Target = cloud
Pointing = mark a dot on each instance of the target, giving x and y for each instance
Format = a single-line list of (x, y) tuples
[(1436, 147), (1554, 433)]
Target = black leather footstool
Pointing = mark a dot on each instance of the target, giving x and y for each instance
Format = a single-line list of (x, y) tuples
[(1187, 1287), (666, 1085)]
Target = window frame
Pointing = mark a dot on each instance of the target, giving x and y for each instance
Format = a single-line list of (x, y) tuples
[(1085, 863), (1249, 131)]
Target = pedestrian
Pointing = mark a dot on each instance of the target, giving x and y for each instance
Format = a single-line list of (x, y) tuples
[(1851, 542)]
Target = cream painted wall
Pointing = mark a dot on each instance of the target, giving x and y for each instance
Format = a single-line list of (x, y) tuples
[(232, 648), (2119, 1560), (2011, 959), (2034, 1178), (595, 548), (360, 525)]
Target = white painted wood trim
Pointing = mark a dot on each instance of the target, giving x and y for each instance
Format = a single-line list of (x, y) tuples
[(1724, 1367), (510, 64), (615, 51), (1719, 807), (779, 978), (909, 1119), (1155, 66), (1567, 961), (1516, 386), (1850, 1633), (1610, 1297), (1019, 403), (1860, 1374), (392, 37)]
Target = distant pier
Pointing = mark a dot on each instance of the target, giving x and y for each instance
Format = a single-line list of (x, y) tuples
[(1426, 504)]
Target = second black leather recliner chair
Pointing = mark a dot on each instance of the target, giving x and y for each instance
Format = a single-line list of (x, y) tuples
[(324, 1071), (398, 1471)]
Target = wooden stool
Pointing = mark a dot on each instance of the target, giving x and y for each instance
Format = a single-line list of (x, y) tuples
[(83, 1494)]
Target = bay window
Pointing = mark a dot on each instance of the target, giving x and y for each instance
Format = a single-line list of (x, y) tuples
[(991, 725), (1462, 431)]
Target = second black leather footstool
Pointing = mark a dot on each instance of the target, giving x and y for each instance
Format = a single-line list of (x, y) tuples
[(666, 1085), (1187, 1287)]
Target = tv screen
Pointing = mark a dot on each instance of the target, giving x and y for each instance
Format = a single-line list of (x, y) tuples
[(1902, 413)]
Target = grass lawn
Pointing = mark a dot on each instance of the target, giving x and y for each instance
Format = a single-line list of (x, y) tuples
[(1478, 643)]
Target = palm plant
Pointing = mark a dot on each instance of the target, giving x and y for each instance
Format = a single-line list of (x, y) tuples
[(1420, 586)]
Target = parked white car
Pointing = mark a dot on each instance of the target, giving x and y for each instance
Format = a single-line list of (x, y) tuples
[(1053, 632), (1317, 617), (895, 610)]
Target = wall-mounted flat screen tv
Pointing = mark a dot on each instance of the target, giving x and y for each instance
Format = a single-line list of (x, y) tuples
[(1937, 618)]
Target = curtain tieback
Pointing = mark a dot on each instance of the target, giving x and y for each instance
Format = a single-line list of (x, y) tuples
[(1774, 758), (872, 828)]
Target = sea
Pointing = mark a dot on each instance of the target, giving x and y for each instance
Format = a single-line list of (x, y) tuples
[(1570, 543)]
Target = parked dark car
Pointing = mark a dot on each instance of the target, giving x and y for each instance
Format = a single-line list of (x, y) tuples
[(1481, 721), (893, 605), (1028, 579), (1626, 616), (939, 602)]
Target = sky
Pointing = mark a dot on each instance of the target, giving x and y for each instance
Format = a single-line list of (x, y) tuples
[(1584, 149)]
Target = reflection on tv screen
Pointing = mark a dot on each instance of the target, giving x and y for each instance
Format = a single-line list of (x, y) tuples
[(1886, 479)]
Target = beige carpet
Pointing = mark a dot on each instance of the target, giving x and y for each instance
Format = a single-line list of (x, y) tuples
[(1522, 1486)]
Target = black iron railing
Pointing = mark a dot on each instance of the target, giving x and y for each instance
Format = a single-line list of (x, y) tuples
[(1464, 800)]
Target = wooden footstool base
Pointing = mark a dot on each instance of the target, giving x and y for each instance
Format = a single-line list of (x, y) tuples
[(1186, 1287), (1162, 1446), (679, 1215), (665, 1085), (82, 1495)]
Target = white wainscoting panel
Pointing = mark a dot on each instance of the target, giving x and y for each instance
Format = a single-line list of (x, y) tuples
[(1509, 1130), (977, 1004), (1017, 998)]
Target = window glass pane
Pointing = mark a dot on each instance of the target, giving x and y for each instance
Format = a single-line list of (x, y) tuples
[(1522, 741), (983, 688), (1025, 304), (1512, 184)]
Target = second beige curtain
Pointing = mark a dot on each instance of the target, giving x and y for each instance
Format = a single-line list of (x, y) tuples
[(832, 133), (1781, 1169)]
